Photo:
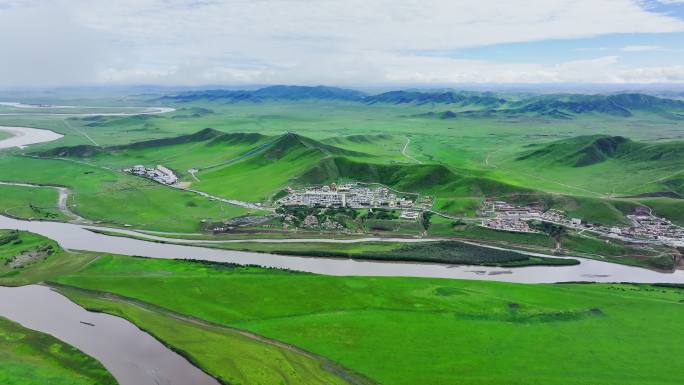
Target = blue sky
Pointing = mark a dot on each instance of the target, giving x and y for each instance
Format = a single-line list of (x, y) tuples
[(633, 49), (350, 42)]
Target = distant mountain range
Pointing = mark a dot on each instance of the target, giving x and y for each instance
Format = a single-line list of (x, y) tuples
[(463, 103), (570, 106), (447, 97), (293, 93)]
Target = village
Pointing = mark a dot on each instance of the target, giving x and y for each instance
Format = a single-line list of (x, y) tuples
[(159, 174), (643, 227), (355, 196)]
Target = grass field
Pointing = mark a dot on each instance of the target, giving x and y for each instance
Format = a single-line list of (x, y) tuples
[(251, 151), (116, 198), (29, 202), (251, 325), (448, 332), (389, 330), (28, 358), (487, 148), (228, 354)]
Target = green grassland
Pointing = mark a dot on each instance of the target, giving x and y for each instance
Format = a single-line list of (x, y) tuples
[(593, 172), (448, 332), (28, 357), (117, 198), (30, 202), (387, 330), (483, 149), (230, 355), (255, 325)]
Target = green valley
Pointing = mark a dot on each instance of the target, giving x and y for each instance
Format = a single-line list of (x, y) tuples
[(496, 186)]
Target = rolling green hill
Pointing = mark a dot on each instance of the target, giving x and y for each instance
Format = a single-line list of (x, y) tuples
[(584, 151), (426, 178), (205, 148), (255, 167), (270, 168), (609, 167)]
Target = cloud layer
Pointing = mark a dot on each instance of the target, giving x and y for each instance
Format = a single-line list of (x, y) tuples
[(194, 42)]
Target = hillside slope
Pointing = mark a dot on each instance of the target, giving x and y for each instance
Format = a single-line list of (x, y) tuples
[(270, 168), (585, 151), (425, 178), (198, 150)]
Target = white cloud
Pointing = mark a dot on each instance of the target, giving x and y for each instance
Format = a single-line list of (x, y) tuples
[(297, 41), (641, 48)]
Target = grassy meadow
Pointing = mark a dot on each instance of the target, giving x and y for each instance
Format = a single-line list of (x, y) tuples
[(482, 147), (586, 166), (30, 203), (116, 198), (251, 325), (487, 147), (255, 325)]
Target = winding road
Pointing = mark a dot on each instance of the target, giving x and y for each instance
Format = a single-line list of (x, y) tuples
[(403, 151)]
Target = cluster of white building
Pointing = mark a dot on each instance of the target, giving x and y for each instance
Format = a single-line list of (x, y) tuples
[(346, 195), (159, 174), (506, 224), (501, 215), (650, 227)]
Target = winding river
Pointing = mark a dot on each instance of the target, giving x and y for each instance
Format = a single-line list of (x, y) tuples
[(79, 237)]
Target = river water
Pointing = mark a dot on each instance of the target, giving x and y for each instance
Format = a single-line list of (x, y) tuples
[(131, 355), (24, 136), (77, 237), (36, 110)]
